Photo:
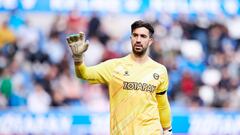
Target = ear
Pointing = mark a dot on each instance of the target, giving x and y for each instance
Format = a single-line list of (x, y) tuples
[(151, 41)]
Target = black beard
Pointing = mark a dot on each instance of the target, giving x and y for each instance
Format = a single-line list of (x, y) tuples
[(137, 53)]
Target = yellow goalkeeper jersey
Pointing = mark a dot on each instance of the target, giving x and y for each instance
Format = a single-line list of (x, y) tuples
[(138, 99)]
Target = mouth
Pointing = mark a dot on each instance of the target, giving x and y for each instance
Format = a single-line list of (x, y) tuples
[(138, 46)]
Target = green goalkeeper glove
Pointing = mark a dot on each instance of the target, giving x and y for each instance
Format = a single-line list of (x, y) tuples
[(78, 46)]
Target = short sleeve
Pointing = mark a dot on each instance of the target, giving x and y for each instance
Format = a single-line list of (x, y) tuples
[(163, 85)]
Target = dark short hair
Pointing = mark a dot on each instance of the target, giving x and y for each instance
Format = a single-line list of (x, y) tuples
[(140, 23)]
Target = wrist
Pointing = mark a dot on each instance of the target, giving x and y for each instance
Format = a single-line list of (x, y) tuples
[(167, 131), (78, 59), (77, 63)]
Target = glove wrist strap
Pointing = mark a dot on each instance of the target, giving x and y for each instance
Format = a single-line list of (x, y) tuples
[(77, 58)]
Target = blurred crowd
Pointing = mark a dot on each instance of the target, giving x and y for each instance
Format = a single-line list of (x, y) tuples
[(201, 53)]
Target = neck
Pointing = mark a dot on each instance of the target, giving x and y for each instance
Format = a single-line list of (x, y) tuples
[(139, 59)]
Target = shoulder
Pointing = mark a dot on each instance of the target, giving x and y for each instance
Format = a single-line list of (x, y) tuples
[(158, 65), (120, 59), (114, 61)]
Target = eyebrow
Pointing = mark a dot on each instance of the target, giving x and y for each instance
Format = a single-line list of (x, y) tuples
[(139, 34)]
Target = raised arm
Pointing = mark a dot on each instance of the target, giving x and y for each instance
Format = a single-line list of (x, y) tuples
[(94, 74), (100, 73)]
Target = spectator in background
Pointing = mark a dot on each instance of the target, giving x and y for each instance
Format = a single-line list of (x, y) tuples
[(6, 84), (76, 22), (70, 88), (8, 45), (95, 99), (96, 48), (94, 26), (19, 94), (46, 75), (28, 37), (95, 29), (38, 100), (99, 40), (21, 78), (54, 43), (188, 84), (6, 35), (3, 101), (59, 26)]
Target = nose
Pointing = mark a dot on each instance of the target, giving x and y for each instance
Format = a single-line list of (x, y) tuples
[(138, 39)]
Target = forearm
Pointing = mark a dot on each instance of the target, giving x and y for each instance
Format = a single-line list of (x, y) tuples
[(77, 66), (164, 111), (165, 116), (81, 71)]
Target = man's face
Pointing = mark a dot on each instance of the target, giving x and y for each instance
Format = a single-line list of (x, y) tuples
[(140, 40)]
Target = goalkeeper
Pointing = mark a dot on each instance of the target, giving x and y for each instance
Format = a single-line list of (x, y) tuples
[(137, 84)]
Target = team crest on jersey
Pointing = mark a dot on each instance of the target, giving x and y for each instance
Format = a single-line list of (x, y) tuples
[(156, 76)]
